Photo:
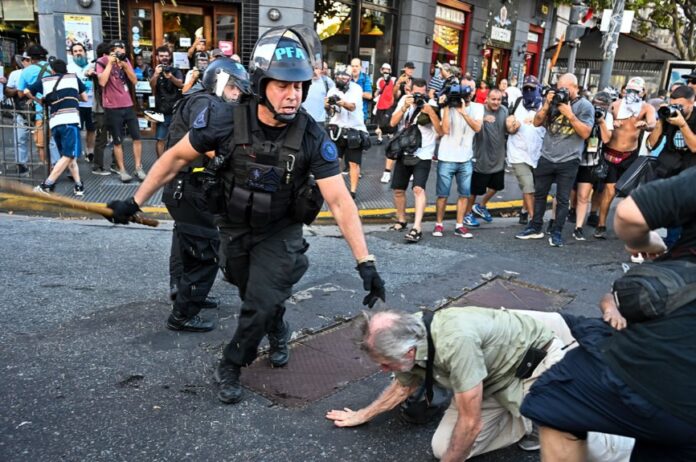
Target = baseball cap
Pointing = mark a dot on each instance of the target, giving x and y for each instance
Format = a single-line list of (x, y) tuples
[(690, 76), (636, 83), (216, 53), (202, 55), (386, 66), (409, 65), (36, 51), (20, 58), (530, 81), (117, 44)]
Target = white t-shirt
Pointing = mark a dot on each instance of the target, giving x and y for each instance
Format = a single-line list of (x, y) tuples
[(13, 79), (428, 133), (524, 147), (89, 85), (458, 146), (513, 94), (345, 118)]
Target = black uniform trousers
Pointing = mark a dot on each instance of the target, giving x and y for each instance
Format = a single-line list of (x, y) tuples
[(264, 266), (195, 243)]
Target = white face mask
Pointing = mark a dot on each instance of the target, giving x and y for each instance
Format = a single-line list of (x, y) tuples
[(632, 98)]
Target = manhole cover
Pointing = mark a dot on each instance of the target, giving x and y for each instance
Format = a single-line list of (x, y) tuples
[(318, 367), (498, 293)]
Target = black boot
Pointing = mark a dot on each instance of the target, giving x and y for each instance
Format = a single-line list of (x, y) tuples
[(279, 353), (192, 324), (227, 377), (209, 303)]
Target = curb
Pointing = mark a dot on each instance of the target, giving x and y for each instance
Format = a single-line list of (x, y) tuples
[(14, 203)]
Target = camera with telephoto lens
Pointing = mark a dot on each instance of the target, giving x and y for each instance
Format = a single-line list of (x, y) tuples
[(419, 100), (599, 112), (333, 100), (121, 56), (667, 112), (561, 96)]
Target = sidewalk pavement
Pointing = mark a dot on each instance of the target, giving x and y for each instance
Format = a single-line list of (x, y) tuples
[(374, 199)]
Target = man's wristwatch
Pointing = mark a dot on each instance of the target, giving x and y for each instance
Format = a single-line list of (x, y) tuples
[(366, 258)]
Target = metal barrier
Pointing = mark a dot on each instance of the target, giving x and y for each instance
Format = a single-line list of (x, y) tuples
[(20, 158)]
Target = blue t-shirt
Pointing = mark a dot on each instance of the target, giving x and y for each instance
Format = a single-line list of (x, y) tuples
[(366, 84), (29, 76)]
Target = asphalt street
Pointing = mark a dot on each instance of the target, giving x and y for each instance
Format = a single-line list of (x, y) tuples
[(91, 373)]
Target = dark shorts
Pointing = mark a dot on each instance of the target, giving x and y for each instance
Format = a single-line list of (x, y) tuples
[(585, 176), (86, 121), (482, 181), (616, 170), (402, 174), (163, 128), (581, 394), (382, 119), (67, 138), (116, 118), (351, 155)]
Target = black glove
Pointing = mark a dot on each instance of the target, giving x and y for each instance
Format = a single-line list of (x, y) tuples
[(123, 211), (372, 282)]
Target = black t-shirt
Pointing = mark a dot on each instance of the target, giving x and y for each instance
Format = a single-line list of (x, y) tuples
[(657, 358), (167, 93), (676, 155)]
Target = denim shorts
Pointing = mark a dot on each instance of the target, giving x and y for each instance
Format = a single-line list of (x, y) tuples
[(67, 138), (163, 128), (448, 170)]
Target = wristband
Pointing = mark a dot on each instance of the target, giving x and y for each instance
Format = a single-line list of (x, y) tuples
[(366, 259)]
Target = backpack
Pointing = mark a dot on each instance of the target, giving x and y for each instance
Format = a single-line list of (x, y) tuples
[(180, 125), (654, 290)]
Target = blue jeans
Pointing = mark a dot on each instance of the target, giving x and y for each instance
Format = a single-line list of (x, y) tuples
[(447, 170), (21, 139)]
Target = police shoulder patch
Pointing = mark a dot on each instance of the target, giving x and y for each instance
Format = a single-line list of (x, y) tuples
[(328, 151), (202, 119)]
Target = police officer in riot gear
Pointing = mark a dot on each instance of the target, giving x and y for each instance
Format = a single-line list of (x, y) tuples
[(193, 263), (270, 148)]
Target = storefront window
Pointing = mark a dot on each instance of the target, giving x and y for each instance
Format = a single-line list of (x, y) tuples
[(182, 28), (333, 29), (446, 41), (225, 27), (141, 30), (376, 40)]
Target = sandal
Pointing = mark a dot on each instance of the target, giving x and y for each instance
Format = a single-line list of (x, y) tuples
[(413, 236), (398, 226)]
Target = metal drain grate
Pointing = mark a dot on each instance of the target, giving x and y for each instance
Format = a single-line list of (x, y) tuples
[(318, 367), (499, 292)]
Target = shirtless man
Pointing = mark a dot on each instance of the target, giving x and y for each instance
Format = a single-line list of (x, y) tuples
[(631, 116)]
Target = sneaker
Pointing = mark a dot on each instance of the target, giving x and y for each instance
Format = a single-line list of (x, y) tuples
[(386, 177), (22, 170), (279, 353), (125, 177), (600, 232), (524, 218), (572, 215), (578, 234), (549, 226), (192, 324), (529, 233), (79, 189), (227, 377), (139, 173), (463, 232), (530, 442), (593, 219), (637, 258), (482, 212), (44, 188), (437, 231), (96, 170), (471, 221), (555, 240), (114, 169)]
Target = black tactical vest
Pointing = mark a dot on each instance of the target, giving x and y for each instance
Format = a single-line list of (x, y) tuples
[(259, 176)]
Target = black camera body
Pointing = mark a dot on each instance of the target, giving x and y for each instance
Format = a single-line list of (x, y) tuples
[(121, 56), (561, 96), (599, 112), (457, 94), (667, 112), (167, 69), (419, 100), (333, 100)]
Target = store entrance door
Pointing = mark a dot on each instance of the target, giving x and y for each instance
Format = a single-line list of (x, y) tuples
[(495, 65), (180, 24)]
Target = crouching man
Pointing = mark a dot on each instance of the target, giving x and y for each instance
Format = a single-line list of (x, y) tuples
[(488, 358)]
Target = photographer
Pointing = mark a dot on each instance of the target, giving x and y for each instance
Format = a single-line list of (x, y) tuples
[(414, 108), (166, 83), (632, 115), (586, 180), (115, 74), (347, 125), (568, 120), (192, 82), (676, 123), (406, 78), (461, 120)]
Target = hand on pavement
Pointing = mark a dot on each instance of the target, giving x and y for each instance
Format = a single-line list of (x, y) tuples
[(652, 249), (372, 282), (346, 418), (123, 211), (611, 314)]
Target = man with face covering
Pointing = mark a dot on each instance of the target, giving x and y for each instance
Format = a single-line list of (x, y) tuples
[(631, 115), (192, 81), (265, 152), (79, 65), (347, 124)]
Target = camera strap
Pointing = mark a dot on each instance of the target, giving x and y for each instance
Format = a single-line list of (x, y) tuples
[(409, 120), (428, 384)]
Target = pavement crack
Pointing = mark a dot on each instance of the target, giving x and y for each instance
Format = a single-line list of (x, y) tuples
[(132, 381)]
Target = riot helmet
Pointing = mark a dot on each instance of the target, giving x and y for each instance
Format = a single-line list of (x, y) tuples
[(224, 72), (287, 54)]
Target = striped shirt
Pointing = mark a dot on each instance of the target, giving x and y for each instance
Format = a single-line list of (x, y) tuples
[(64, 101)]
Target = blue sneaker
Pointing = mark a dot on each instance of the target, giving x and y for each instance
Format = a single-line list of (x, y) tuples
[(471, 221), (529, 233), (482, 212), (556, 240)]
